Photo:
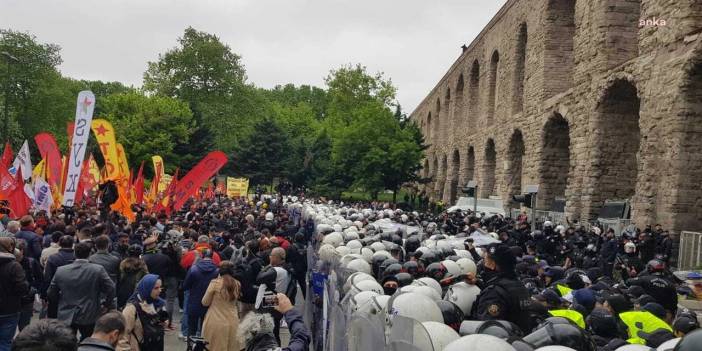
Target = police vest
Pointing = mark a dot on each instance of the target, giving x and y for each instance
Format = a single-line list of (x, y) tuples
[(572, 315), (563, 290), (642, 321)]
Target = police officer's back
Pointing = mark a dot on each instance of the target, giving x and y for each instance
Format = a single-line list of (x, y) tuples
[(503, 297)]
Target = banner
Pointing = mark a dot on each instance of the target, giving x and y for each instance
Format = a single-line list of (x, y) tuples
[(48, 149), (105, 135), (79, 143), (206, 168), (237, 187), (42, 195), (6, 155), (164, 182), (94, 172), (23, 162), (122, 161)]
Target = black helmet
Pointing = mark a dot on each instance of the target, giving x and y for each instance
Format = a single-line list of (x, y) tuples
[(377, 262), (521, 345), (564, 334), (501, 329), (134, 250), (654, 266), (403, 279), (386, 264), (691, 342), (435, 270), (453, 315), (391, 269), (428, 257), (396, 239), (412, 244), (411, 267)]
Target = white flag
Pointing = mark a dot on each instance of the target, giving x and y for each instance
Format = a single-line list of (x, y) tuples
[(81, 131), (23, 161), (42, 195)]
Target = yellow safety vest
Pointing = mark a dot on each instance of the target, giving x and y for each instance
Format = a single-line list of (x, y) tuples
[(642, 321), (572, 315), (563, 289)]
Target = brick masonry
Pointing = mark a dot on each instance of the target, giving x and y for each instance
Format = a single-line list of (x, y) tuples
[(577, 97)]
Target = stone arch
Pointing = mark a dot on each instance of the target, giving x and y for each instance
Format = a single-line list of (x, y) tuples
[(513, 176), (474, 96), (554, 166), (453, 177), (620, 31), (441, 179), (687, 133), (458, 112), (519, 69), (434, 177), (487, 186), (429, 132), (448, 114), (617, 138), (492, 86), (469, 166), (439, 120), (558, 51)]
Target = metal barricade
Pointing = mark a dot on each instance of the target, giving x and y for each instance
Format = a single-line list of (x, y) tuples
[(618, 225), (690, 251)]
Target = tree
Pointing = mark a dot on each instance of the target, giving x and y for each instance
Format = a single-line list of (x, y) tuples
[(149, 125), (259, 158)]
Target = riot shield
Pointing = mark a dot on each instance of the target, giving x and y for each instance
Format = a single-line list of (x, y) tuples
[(337, 329), (365, 333), (407, 331)]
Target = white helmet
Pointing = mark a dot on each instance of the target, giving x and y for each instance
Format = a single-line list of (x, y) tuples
[(327, 252), (367, 254), (463, 295), (348, 258), (342, 250), (361, 299), (440, 334), (413, 305), (452, 268), (359, 265), (479, 342), (337, 228), (430, 282), (422, 289), (548, 224), (365, 285), (377, 246), (463, 254), (355, 278), (335, 239), (404, 218), (351, 235), (381, 253), (467, 266), (375, 305), (354, 244), (668, 345)]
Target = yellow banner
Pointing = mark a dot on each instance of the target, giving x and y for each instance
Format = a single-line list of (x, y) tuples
[(122, 160), (165, 181), (94, 172), (237, 187), (105, 135), (39, 170)]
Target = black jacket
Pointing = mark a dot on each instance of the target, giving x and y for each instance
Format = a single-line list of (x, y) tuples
[(108, 261), (159, 264), (14, 284), (61, 258), (505, 298)]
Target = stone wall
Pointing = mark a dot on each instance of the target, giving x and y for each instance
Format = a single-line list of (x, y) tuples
[(575, 96)]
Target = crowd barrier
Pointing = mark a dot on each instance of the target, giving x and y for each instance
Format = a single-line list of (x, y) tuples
[(690, 251)]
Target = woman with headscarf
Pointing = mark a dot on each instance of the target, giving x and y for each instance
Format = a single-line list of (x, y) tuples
[(222, 318), (145, 317)]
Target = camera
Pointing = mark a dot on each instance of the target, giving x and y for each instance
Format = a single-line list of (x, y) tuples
[(270, 300)]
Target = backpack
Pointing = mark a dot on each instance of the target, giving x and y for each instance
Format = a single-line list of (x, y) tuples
[(152, 331)]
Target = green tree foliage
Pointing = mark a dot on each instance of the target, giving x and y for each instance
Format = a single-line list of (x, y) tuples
[(261, 157), (149, 125)]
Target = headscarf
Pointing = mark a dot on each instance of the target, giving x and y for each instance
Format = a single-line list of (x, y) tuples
[(143, 291)]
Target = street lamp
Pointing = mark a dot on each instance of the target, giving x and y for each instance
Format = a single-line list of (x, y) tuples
[(6, 122)]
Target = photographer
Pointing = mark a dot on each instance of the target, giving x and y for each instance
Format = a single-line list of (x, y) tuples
[(256, 330)]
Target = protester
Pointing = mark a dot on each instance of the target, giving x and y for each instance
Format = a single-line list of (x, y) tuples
[(14, 287), (64, 256), (108, 329), (131, 270), (27, 233), (103, 257), (196, 283), (145, 317), (11, 229), (256, 330), (79, 308), (34, 275), (222, 318), (53, 247), (45, 335)]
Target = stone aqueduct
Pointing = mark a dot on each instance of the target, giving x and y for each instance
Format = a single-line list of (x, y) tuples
[(577, 97)]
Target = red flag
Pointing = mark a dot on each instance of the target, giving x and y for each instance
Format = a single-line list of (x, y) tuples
[(19, 202), (139, 185), (209, 194), (7, 155), (84, 182), (206, 168), (7, 183), (50, 153)]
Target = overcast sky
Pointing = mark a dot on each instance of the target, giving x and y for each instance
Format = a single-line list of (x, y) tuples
[(281, 41)]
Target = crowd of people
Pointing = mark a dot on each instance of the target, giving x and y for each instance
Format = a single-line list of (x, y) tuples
[(478, 282), (76, 280), (79, 280)]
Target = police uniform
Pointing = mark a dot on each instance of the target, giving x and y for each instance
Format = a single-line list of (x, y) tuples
[(504, 297)]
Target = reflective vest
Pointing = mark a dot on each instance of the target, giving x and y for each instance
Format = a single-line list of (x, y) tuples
[(563, 290), (572, 315), (642, 321)]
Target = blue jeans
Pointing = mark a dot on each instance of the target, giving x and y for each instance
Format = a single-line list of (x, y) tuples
[(8, 326), (184, 317)]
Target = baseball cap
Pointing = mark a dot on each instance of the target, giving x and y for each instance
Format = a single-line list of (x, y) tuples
[(550, 297)]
